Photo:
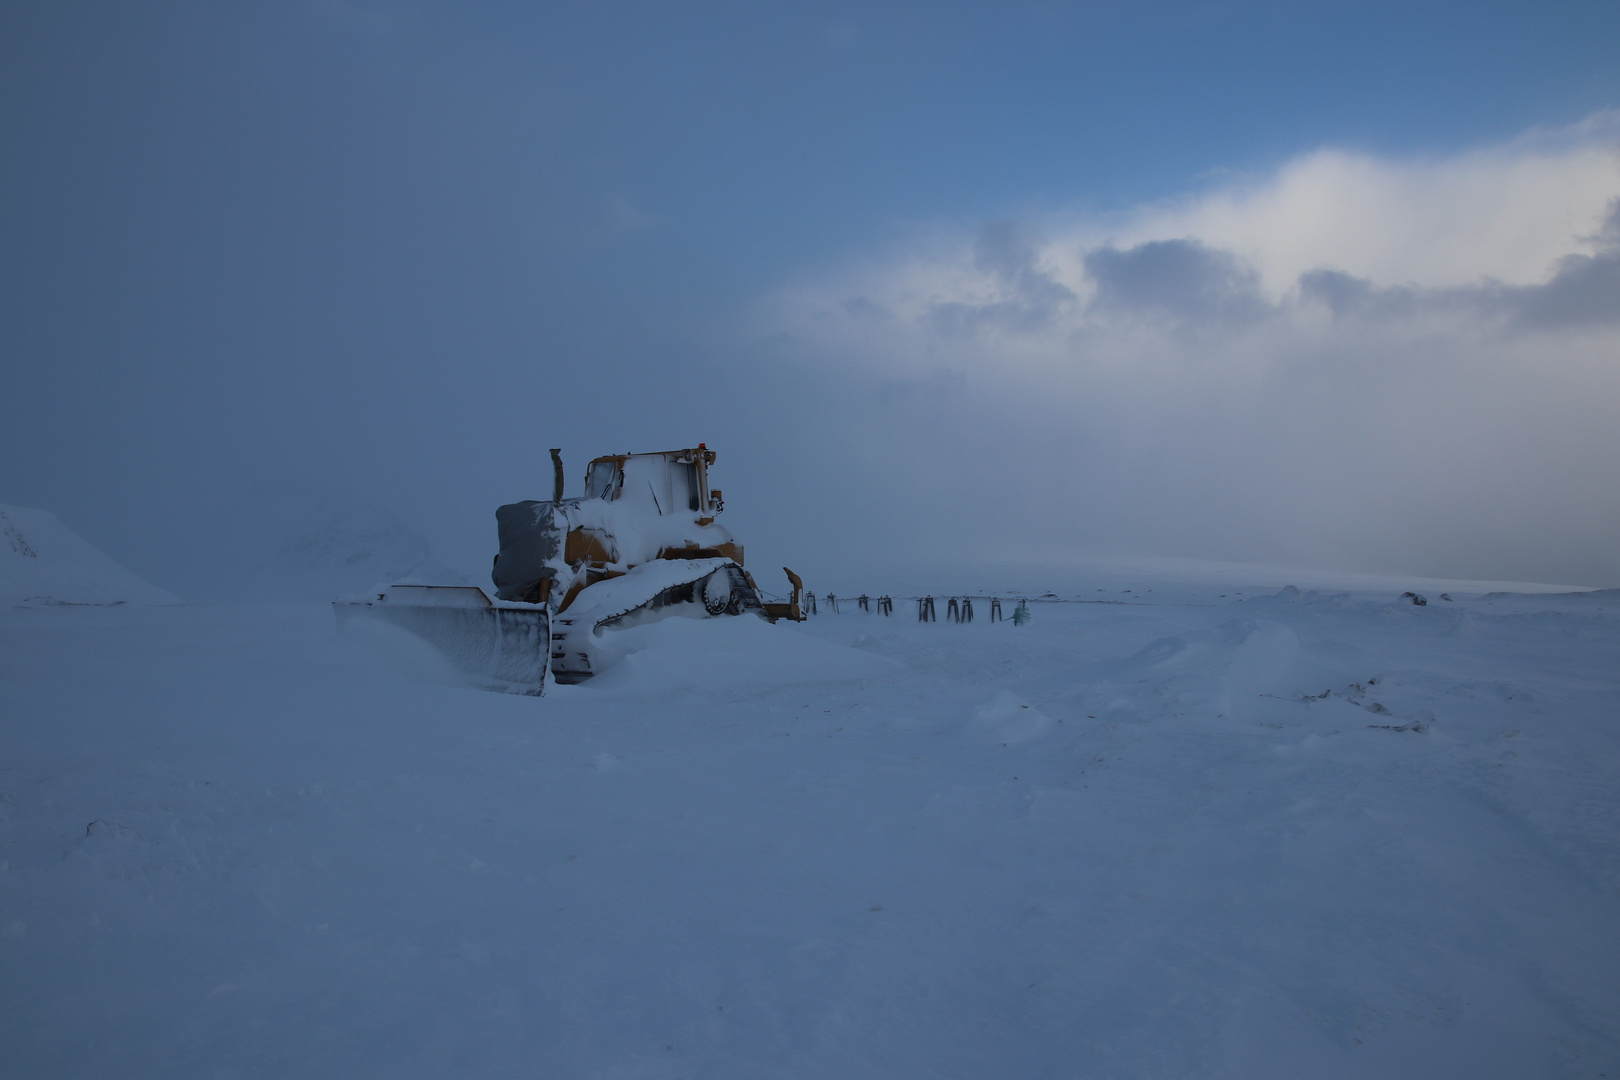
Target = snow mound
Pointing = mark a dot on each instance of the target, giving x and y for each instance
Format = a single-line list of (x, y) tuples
[(1008, 718), (42, 561), (706, 654)]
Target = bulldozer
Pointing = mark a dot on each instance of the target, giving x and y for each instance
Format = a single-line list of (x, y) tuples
[(642, 543)]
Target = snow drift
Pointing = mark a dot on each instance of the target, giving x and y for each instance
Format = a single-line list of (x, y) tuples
[(1315, 833), (717, 654)]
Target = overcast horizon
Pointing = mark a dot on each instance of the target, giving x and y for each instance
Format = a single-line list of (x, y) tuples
[(1334, 288)]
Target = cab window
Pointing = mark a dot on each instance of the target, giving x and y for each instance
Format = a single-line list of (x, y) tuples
[(600, 478)]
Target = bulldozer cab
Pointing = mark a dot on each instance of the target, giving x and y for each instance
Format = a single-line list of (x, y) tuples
[(670, 482)]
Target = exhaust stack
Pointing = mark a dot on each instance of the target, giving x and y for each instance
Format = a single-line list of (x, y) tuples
[(556, 474)]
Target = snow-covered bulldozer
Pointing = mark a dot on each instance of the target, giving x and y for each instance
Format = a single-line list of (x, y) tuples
[(641, 544)]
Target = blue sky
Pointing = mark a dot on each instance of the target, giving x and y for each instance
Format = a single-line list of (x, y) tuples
[(261, 256)]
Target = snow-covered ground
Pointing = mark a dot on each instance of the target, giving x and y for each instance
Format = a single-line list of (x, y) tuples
[(1175, 834)]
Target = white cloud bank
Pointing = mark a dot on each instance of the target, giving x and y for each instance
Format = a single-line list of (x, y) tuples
[(1358, 362)]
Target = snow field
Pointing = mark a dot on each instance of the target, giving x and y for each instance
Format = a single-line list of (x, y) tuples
[(1189, 838)]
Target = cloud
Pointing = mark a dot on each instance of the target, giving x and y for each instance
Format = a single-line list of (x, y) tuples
[(1499, 213), (1352, 361), (1180, 278), (1582, 291), (1586, 288), (1020, 295)]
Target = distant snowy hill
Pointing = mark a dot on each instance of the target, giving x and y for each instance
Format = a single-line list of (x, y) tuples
[(352, 550), (42, 561)]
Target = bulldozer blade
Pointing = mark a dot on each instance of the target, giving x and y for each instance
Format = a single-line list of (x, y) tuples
[(497, 644)]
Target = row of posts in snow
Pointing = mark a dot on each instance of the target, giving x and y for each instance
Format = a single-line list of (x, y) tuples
[(957, 609)]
